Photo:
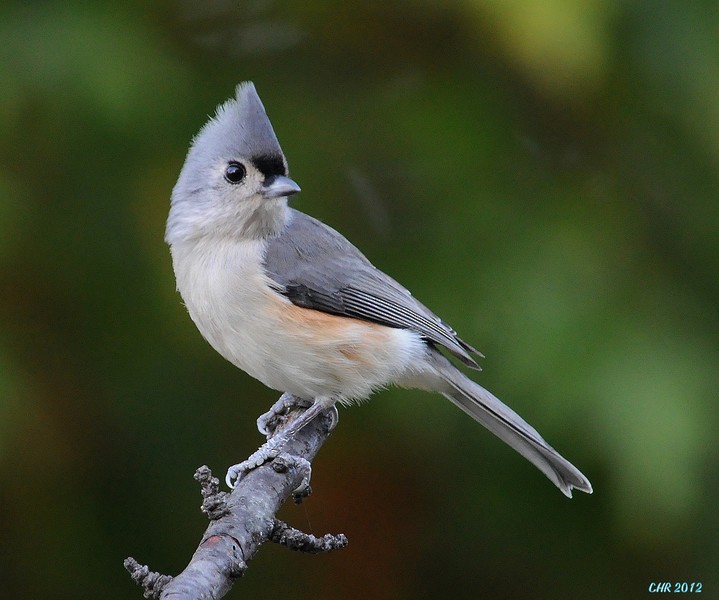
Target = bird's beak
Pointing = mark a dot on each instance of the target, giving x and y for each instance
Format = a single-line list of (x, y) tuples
[(277, 186)]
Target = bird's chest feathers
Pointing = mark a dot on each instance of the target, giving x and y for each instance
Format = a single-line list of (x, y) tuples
[(289, 348), (225, 290)]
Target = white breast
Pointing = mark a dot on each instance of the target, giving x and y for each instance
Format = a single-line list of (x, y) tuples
[(288, 348)]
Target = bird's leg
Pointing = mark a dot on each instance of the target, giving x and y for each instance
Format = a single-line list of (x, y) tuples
[(268, 422), (273, 447)]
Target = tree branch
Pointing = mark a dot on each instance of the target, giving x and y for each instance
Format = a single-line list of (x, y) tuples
[(242, 520)]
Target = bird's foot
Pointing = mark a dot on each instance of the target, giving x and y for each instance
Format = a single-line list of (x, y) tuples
[(268, 422), (271, 449), (281, 462), (268, 451), (284, 462)]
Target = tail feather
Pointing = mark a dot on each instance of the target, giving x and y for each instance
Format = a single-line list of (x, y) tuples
[(503, 422)]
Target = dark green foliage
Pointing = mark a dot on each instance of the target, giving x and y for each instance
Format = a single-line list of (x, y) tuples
[(542, 175)]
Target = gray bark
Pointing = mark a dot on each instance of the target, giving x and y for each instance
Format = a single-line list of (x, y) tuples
[(242, 520)]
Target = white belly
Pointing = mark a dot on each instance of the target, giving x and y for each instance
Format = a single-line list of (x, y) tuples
[(288, 348)]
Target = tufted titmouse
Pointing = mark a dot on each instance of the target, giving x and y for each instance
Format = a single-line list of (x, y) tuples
[(294, 304)]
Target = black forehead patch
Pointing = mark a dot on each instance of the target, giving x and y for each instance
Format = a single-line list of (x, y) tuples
[(269, 164)]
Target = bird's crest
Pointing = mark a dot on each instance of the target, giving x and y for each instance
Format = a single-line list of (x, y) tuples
[(240, 129)]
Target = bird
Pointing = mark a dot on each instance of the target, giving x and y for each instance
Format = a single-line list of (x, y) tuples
[(294, 304)]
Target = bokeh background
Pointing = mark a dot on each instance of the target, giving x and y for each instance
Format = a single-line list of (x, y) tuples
[(541, 174)]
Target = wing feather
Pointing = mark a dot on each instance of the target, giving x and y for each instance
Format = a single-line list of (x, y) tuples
[(315, 267)]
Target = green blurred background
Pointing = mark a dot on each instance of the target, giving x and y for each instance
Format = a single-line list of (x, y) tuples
[(541, 174)]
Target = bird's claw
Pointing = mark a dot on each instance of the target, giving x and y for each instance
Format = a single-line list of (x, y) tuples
[(268, 422), (264, 453), (271, 449), (280, 463), (283, 462)]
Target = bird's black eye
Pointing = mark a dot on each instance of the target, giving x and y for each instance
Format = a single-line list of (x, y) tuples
[(235, 172)]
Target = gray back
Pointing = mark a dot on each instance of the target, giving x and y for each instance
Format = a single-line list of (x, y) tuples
[(316, 267)]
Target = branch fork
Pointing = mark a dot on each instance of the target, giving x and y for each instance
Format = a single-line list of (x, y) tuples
[(243, 519)]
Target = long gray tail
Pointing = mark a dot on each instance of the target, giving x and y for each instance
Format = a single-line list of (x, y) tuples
[(506, 424)]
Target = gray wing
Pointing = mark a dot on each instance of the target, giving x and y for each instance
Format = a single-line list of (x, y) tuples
[(315, 267)]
